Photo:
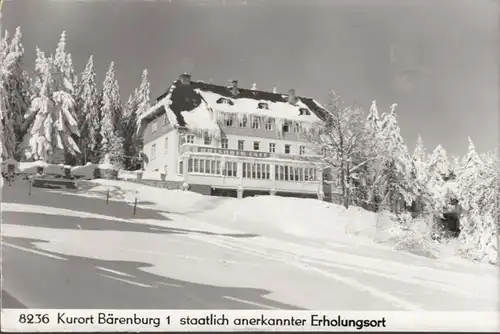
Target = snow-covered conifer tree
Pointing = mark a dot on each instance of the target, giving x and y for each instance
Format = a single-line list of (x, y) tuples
[(112, 142), (143, 96), (478, 186), (373, 175), (142, 103), (52, 108), (397, 169), (420, 161), (17, 97), (129, 130), (439, 182), (88, 112)]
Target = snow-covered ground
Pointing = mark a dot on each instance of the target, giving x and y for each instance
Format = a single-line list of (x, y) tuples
[(308, 253)]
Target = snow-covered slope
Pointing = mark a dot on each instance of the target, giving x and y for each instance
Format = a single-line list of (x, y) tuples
[(305, 253)]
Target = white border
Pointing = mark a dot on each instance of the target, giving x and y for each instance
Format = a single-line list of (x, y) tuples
[(394, 321)]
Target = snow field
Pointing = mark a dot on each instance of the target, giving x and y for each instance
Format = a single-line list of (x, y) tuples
[(277, 216), (319, 255)]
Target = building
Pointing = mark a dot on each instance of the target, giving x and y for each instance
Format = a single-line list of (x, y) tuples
[(229, 141)]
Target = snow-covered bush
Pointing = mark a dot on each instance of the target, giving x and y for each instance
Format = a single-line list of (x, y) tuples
[(414, 235), (86, 172), (127, 174), (151, 175), (52, 169), (31, 168)]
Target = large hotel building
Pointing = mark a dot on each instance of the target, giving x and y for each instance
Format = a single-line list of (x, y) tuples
[(229, 141)]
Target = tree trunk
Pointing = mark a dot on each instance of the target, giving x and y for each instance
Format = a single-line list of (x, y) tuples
[(347, 193)]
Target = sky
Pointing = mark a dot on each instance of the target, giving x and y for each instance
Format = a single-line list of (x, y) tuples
[(437, 59)]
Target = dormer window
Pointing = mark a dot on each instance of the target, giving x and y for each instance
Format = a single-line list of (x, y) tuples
[(223, 100), (304, 111), (263, 105)]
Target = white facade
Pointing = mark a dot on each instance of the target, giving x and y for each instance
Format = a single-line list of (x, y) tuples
[(220, 164), (163, 153)]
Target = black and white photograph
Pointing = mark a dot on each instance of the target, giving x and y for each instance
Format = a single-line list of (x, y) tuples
[(265, 155)]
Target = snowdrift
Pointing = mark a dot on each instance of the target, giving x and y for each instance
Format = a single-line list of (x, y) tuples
[(275, 216)]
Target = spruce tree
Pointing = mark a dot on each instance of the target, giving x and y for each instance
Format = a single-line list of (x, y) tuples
[(129, 131), (112, 142), (88, 115), (397, 168), (52, 108)]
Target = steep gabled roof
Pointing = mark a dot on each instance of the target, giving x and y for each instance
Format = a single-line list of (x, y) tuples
[(181, 98)]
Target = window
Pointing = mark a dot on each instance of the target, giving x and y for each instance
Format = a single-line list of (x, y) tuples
[(302, 150), (229, 118), (296, 127), (256, 170), (241, 145), (304, 111), (165, 148), (255, 122), (154, 126), (207, 140), (287, 149), (256, 145), (224, 143), (230, 169), (206, 166), (269, 124), (165, 169), (243, 121), (286, 128), (225, 101), (202, 166), (181, 167), (263, 105), (272, 147), (153, 151), (189, 139)]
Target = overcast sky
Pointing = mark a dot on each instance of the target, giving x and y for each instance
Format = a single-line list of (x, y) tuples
[(437, 59)]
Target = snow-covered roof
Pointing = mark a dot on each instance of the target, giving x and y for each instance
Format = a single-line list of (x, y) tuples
[(182, 101)]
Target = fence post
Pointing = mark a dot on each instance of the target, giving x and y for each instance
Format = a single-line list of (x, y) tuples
[(29, 187), (135, 206), (107, 197)]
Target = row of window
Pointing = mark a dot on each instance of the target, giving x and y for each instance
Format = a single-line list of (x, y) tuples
[(251, 170), (189, 139), (257, 146), (153, 149), (261, 105), (215, 167), (257, 122)]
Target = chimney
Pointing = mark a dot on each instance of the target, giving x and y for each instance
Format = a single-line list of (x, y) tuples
[(234, 87), (185, 79), (291, 97)]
